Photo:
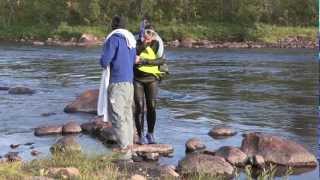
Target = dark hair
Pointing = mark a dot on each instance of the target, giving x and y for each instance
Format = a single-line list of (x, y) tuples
[(118, 22), (146, 17), (149, 26)]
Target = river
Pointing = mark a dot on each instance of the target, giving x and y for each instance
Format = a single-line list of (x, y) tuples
[(263, 90)]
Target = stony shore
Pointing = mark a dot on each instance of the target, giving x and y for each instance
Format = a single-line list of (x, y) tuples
[(87, 40)]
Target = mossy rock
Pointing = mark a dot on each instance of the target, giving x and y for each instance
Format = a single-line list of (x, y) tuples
[(66, 144)]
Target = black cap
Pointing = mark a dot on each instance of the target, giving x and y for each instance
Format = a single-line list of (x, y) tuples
[(118, 22)]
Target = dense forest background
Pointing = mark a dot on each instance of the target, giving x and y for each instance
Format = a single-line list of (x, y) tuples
[(240, 15)]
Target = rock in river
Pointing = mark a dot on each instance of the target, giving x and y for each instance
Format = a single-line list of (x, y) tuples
[(162, 149), (48, 130), (198, 163), (71, 127), (95, 126), (21, 90), (277, 150), (86, 102), (233, 155), (194, 144), (221, 132)]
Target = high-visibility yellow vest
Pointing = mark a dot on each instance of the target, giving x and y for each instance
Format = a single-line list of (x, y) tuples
[(149, 55)]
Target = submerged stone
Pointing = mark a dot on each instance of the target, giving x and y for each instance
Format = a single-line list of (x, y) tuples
[(21, 90)]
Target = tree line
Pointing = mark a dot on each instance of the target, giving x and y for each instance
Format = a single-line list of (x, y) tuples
[(99, 12)]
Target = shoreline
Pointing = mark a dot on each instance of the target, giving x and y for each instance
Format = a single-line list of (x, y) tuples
[(88, 40)]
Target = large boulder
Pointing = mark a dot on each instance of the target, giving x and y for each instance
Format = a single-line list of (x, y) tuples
[(48, 130), (65, 144), (277, 150), (71, 128), (204, 164), (233, 155), (21, 90), (86, 102), (194, 144)]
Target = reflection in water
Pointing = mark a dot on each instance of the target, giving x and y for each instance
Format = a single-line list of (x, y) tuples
[(266, 90)]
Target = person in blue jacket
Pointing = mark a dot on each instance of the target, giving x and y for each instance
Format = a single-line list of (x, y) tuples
[(119, 54)]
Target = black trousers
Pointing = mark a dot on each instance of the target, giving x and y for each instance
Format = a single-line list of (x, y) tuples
[(145, 94)]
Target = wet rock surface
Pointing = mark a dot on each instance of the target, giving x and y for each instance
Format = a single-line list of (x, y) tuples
[(48, 130), (277, 150)]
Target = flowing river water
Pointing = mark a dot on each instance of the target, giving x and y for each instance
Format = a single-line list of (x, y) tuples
[(263, 90)]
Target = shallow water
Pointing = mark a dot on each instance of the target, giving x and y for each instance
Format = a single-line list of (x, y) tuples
[(265, 90)]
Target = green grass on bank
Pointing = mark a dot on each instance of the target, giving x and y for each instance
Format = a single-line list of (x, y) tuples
[(169, 31), (93, 167)]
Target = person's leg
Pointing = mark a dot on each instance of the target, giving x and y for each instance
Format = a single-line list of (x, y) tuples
[(139, 109), (151, 95), (129, 114), (118, 106)]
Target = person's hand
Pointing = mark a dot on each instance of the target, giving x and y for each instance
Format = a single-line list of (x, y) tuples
[(137, 60)]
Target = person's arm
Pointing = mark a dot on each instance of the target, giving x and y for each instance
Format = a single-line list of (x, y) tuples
[(108, 53), (155, 62)]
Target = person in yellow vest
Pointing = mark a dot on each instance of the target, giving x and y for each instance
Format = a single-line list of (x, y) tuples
[(146, 80)]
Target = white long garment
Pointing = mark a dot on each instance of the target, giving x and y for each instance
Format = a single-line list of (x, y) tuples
[(102, 106)]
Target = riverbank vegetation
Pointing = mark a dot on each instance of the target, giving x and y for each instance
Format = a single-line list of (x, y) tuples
[(81, 166), (228, 20)]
